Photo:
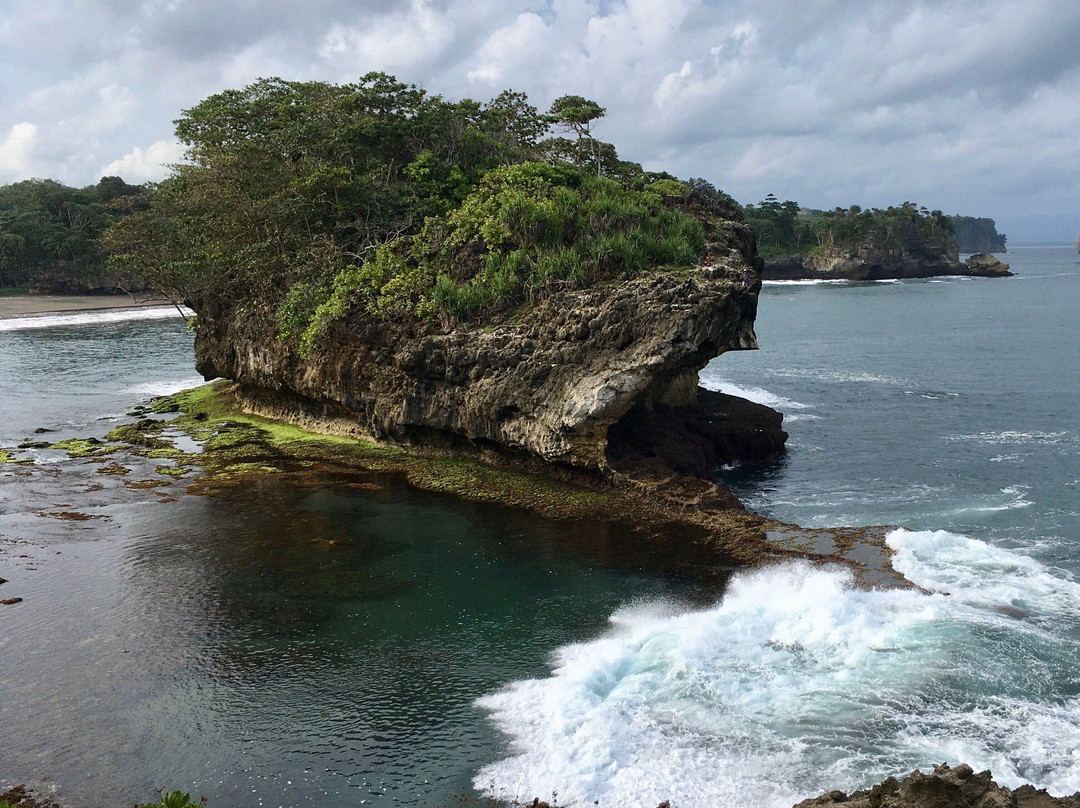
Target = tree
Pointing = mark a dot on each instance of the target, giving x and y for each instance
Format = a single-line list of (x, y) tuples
[(576, 114), (514, 127)]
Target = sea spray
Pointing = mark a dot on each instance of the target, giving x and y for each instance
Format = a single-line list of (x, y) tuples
[(797, 682), (755, 394)]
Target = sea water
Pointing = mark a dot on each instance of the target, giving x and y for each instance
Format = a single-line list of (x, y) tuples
[(947, 408), (356, 641)]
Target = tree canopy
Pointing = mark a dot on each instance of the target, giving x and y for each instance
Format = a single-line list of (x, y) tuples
[(785, 228), (314, 199), (49, 233)]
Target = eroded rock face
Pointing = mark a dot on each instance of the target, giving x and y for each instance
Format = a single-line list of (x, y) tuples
[(945, 787), (913, 259), (547, 381)]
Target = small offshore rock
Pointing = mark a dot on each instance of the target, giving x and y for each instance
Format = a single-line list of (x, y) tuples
[(42, 430), (985, 265), (10, 601)]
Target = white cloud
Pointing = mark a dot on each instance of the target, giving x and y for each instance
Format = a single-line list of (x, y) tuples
[(145, 165), (16, 148), (410, 37), (970, 105), (508, 46)]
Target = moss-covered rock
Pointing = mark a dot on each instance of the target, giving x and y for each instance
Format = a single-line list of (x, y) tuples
[(85, 447), (8, 458)]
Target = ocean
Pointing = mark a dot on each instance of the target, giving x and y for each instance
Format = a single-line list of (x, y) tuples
[(360, 642)]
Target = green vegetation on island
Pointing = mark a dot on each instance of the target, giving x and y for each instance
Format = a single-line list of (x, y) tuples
[(785, 228), (311, 199), (974, 235), (314, 199)]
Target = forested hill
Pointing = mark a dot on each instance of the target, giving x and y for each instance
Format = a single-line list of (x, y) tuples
[(50, 234), (974, 235), (787, 229)]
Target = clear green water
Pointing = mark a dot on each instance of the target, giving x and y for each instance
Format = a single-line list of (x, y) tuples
[(320, 646)]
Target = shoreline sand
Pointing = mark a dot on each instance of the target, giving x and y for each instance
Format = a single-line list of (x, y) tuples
[(21, 305)]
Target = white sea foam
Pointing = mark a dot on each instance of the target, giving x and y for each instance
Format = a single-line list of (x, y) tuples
[(807, 282), (755, 394), (1010, 437), (91, 318), (1015, 498), (840, 376), (164, 387), (796, 683)]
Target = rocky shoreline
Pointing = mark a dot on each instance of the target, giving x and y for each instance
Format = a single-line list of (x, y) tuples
[(944, 787)]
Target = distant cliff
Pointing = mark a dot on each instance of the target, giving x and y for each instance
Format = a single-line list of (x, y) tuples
[(855, 244), (972, 235), (867, 263)]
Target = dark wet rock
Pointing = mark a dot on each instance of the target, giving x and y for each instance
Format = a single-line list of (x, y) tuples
[(985, 265), (945, 787), (22, 797), (698, 438), (547, 381), (34, 444), (42, 430), (10, 601)]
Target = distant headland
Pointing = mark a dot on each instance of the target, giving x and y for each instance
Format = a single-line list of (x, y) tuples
[(905, 241)]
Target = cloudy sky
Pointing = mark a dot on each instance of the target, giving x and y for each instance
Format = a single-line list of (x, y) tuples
[(970, 106)]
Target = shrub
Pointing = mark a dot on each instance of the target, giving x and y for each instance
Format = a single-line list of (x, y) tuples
[(526, 230)]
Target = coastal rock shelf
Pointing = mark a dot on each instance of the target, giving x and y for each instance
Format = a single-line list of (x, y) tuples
[(546, 381), (955, 787)]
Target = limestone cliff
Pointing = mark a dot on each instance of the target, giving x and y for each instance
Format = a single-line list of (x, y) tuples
[(546, 381), (910, 257)]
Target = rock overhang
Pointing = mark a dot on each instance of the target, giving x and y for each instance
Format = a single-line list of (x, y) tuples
[(547, 380)]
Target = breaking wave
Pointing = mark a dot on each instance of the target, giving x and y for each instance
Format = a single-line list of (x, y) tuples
[(755, 394), (91, 317), (797, 682)]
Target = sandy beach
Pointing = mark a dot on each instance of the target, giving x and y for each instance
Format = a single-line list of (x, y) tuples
[(19, 305)]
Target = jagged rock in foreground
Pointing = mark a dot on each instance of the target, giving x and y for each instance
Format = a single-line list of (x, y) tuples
[(945, 787), (546, 381), (987, 266)]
